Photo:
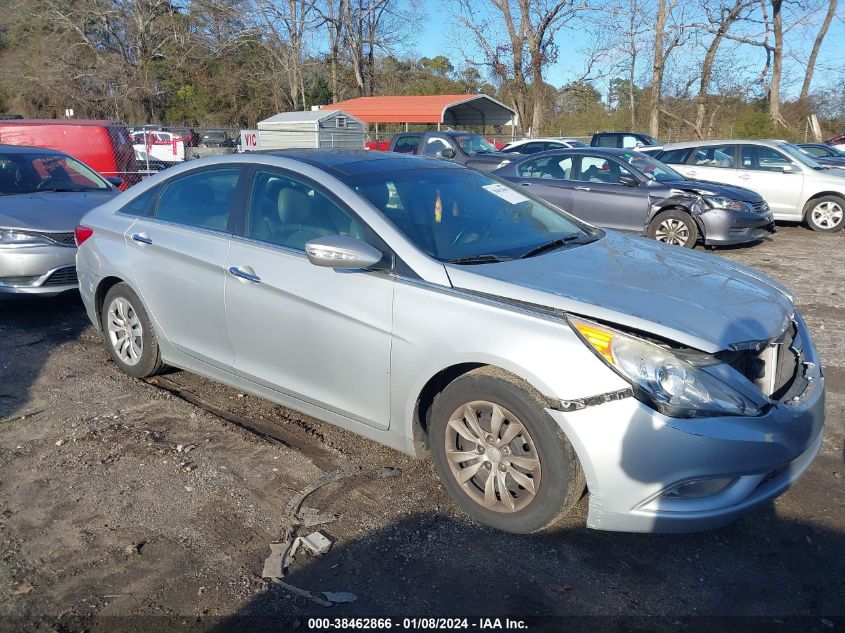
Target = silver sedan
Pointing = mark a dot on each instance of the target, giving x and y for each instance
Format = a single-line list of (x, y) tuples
[(43, 194), (443, 312)]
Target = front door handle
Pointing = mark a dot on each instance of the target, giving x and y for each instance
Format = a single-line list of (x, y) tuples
[(240, 273), (142, 238), (582, 188), (525, 184), (744, 176), (692, 172)]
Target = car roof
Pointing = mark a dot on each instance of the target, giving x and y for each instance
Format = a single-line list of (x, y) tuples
[(544, 139), (565, 151), (347, 162), (27, 149), (733, 141)]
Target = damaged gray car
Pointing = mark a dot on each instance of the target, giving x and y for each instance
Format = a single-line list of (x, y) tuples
[(443, 312), (627, 190)]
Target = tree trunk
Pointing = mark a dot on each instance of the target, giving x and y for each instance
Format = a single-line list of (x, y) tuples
[(777, 62), (537, 91), (817, 44), (657, 69)]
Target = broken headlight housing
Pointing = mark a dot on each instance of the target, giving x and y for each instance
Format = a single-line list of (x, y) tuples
[(673, 383)]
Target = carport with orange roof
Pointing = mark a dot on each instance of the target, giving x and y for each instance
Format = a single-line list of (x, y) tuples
[(458, 110)]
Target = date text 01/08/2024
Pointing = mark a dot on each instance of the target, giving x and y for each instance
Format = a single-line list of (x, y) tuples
[(416, 624)]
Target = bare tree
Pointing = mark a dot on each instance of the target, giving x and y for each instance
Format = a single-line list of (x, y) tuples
[(667, 36), (817, 44)]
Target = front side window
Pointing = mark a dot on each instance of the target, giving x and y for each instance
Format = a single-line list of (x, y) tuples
[(473, 144), (289, 212), (713, 156), (434, 145), (551, 167), (28, 172), (651, 168), (460, 214), (201, 199), (818, 152), (598, 169), (759, 158)]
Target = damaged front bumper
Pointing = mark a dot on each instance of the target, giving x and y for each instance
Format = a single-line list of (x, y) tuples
[(721, 227)]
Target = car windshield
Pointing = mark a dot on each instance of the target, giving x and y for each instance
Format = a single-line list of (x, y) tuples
[(464, 216), (474, 144), (801, 156), (29, 172), (651, 168)]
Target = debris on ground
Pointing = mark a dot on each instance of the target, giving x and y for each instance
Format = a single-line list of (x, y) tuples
[(316, 543), (273, 564), (339, 596)]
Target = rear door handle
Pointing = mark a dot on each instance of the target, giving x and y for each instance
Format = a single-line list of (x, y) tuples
[(142, 238), (525, 184), (240, 273), (582, 188)]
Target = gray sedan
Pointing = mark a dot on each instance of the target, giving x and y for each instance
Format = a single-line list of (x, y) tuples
[(43, 194), (627, 190), (443, 312)]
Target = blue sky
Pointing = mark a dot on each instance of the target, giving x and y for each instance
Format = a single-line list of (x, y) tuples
[(435, 38)]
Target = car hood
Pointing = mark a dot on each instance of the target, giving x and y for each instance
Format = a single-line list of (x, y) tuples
[(719, 189), (49, 211), (699, 300)]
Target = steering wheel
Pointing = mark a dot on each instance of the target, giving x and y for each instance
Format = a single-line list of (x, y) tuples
[(484, 231)]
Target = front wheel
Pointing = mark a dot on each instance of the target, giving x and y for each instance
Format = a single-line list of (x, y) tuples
[(128, 331), (674, 227), (825, 214), (500, 456)]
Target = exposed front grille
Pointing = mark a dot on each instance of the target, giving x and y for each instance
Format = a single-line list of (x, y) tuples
[(760, 207), (775, 367), (65, 239), (62, 277)]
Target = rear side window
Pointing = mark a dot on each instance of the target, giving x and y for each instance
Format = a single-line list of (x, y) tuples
[(141, 205), (606, 140), (407, 144), (552, 167), (715, 156), (200, 200), (675, 156)]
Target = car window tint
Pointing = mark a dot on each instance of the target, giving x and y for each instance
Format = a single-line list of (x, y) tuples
[(532, 148), (598, 169), (675, 156), (606, 140), (547, 167), (201, 199), (713, 156), (816, 151), (289, 212), (140, 205), (434, 145), (759, 158), (407, 144)]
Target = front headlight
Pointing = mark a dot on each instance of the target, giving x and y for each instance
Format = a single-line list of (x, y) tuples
[(10, 238), (721, 202), (662, 379)]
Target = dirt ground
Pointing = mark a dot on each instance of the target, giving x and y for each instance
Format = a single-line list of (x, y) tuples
[(125, 505)]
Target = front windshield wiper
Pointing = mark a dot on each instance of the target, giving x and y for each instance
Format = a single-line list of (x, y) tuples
[(552, 245), (64, 189), (487, 258)]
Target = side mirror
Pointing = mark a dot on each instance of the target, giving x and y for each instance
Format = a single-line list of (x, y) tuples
[(628, 181), (447, 153), (342, 251), (789, 169), (115, 180)]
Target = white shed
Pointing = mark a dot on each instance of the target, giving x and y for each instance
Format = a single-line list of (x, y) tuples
[(315, 128)]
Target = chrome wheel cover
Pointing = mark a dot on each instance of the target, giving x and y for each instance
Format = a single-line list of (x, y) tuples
[(672, 231), (125, 331), (827, 214), (492, 456)]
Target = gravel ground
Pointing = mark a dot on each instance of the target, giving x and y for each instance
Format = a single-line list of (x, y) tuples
[(124, 505)]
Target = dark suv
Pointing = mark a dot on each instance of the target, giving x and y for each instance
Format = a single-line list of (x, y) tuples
[(466, 148), (623, 140)]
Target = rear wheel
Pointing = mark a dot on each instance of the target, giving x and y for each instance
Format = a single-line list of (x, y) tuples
[(825, 214), (500, 456), (674, 227), (128, 331)]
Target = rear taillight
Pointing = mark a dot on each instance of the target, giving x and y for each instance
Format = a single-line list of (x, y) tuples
[(82, 233)]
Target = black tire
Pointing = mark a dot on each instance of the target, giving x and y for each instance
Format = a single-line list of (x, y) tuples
[(825, 214), (666, 224), (561, 479), (149, 360)]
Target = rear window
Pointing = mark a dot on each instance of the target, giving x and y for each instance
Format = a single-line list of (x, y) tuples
[(200, 199)]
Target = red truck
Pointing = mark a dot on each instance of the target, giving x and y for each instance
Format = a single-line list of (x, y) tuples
[(105, 146)]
